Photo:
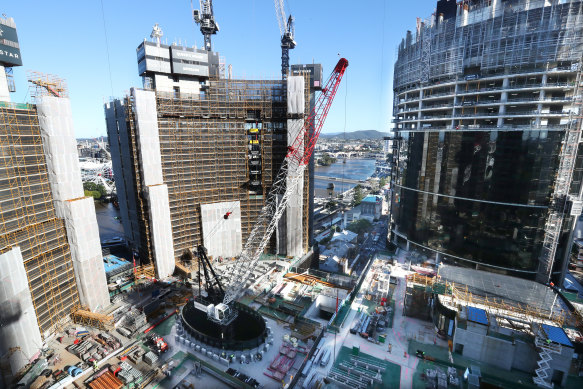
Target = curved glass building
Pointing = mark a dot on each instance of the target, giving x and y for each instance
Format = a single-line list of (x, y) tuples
[(487, 119)]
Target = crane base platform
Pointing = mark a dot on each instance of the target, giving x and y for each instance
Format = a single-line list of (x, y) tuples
[(247, 331)]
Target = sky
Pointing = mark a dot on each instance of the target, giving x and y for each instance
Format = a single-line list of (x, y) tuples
[(92, 43)]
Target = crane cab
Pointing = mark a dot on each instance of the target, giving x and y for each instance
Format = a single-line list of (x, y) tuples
[(218, 312), (221, 311)]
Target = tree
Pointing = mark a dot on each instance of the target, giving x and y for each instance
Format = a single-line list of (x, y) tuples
[(97, 191), (359, 226), (383, 182), (330, 205), (326, 160), (358, 195)]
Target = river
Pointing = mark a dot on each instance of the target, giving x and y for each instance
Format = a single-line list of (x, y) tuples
[(109, 226), (353, 169)]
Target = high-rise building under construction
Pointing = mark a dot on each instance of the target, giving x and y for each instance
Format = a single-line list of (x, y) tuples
[(50, 253), (194, 154), (487, 161)]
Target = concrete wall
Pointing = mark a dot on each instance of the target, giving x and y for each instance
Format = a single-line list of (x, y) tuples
[(478, 345), (117, 133), (222, 237), (161, 230), (60, 149), (328, 299), (166, 83), (148, 137), (19, 323), (83, 237), (294, 210), (562, 362), (156, 192), (525, 357)]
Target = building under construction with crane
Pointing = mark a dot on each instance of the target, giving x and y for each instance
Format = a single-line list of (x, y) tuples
[(487, 106), (195, 152)]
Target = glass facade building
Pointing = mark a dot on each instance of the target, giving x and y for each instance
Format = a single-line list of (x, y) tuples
[(485, 95)]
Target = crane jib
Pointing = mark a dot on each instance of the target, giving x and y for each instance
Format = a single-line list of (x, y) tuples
[(303, 146), (283, 187)]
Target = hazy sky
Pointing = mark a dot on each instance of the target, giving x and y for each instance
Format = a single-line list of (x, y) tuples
[(67, 38)]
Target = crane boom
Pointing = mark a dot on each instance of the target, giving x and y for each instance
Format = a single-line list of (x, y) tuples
[(280, 14), (286, 29), (287, 179)]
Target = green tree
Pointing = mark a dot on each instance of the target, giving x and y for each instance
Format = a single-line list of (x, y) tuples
[(383, 182), (331, 205), (326, 160), (97, 191), (358, 195), (359, 226)]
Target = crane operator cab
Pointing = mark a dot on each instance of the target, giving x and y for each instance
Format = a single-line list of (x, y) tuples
[(218, 312)]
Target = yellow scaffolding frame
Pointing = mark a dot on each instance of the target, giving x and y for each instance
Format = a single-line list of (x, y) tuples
[(82, 315), (28, 219), (461, 295)]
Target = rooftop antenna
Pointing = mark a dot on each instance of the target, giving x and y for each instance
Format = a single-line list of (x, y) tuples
[(206, 19), (156, 33)]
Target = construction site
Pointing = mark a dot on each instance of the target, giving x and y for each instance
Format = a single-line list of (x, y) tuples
[(214, 177), (488, 318)]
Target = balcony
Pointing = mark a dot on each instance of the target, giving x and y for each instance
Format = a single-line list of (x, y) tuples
[(484, 127)]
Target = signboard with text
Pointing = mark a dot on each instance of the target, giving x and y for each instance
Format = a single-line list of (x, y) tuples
[(9, 48)]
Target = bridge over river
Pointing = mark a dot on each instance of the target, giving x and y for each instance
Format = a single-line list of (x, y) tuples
[(340, 180)]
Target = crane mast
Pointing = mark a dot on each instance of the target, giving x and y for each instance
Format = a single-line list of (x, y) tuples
[(206, 19), (287, 179), (286, 29)]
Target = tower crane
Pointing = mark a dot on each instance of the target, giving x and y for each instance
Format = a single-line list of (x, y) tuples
[(206, 19), (286, 29), (220, 308)]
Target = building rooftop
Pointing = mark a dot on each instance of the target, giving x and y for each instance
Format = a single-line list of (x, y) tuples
[(557, 335), (345, 236), (112, 263), (477, 315), (372, 199), (491, 284)]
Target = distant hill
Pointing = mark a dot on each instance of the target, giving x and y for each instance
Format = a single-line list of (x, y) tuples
[(357, 135)]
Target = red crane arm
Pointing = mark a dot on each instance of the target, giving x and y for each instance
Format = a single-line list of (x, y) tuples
[(317, 117)]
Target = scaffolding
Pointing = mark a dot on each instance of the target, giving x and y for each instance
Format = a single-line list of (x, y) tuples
[(209, 144), (147, 272), (489, 39), (460, 295), (145, 244), (28, 219), (493, 71), (83, 316), (560, 198), (46, 85)]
